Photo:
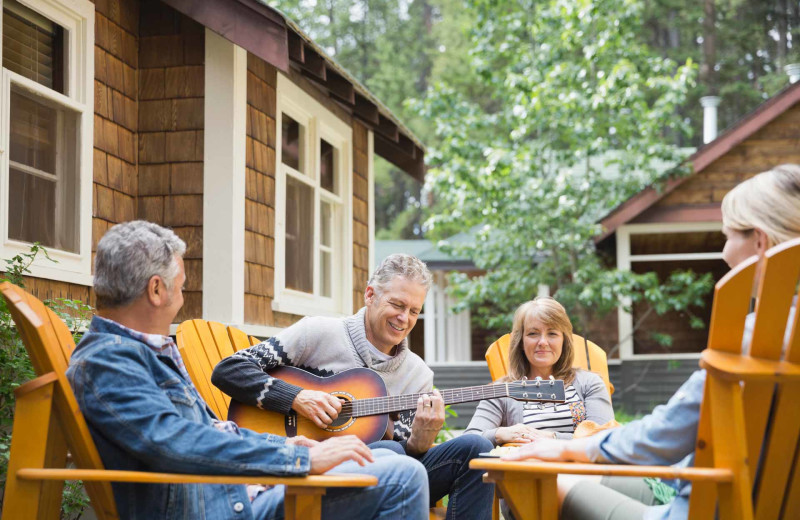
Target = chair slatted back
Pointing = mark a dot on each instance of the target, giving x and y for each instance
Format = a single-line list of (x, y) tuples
[(754, 421), (587, 355), (202, 345), (49, 345), (778, 425)]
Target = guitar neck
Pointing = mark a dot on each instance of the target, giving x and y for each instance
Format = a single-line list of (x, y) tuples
[(397, 403)]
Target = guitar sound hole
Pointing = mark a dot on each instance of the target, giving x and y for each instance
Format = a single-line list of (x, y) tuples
[(344, 417), (339, 421)]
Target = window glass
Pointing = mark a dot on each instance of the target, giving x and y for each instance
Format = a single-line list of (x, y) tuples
[(325, 274), (293, 145), (42, 173), (299, 236), (33, 46), (326, 250), (327, 166)]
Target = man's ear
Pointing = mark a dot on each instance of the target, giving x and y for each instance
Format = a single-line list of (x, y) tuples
[(762, 241), (156, 290), (369, 294)]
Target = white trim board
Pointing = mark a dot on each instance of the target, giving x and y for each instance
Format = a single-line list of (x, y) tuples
[(224, 178)]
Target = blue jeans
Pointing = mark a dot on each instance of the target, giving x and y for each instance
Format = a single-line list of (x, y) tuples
[(401, 493), (448, 474)]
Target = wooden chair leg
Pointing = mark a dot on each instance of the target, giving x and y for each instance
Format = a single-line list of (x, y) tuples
[(530, 497), (303, 503), (29, 449)]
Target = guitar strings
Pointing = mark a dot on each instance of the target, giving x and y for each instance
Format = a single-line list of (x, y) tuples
[(387, 404)]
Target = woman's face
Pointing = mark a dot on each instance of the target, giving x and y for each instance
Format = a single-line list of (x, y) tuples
[(542, 346), (739, 246)]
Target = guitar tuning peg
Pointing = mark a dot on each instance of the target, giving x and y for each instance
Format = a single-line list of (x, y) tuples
[(552, 381)]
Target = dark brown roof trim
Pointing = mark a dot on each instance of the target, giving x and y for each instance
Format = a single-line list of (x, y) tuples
[(268, 34), (738, 132), (246, 23)]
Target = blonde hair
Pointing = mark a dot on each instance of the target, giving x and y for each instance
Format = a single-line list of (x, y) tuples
[(552, 314), (769, 201)]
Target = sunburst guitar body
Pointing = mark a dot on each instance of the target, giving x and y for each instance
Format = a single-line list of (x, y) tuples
[(366, 405)]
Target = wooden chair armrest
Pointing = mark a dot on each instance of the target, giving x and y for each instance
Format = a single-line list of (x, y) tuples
[(108, 475), (497, 467), (735, 367)]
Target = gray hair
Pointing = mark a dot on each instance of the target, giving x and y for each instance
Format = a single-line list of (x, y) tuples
[(769, 201), (129, 255), (400, 265)]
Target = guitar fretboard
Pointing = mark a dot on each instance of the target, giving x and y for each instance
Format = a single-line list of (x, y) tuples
[(389, 404)]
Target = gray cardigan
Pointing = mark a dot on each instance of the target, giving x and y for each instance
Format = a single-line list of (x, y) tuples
[(494, 413)]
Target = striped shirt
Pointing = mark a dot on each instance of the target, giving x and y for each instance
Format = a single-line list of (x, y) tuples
[(556, 417)]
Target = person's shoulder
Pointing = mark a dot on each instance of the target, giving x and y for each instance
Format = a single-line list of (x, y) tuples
[(317, 325), (587, 378), (97, 346)]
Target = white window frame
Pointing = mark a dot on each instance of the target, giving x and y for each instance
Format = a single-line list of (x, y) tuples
[(624, 261), (319, 123), (77, 18)]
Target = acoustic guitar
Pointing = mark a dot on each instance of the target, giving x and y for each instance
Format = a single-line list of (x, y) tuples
[(366, 406)]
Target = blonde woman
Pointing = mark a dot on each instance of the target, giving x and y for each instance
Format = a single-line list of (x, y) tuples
[(759, 213), (541, 346)]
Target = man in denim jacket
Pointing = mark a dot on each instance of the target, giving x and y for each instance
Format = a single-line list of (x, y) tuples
[(144, 413)]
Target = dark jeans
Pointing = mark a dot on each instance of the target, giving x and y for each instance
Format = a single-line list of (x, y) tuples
[(449, 474)]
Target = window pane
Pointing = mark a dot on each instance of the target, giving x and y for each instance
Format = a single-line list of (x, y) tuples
[(327, 166), (33, 133), (43, 173), (299, 236), (293, 143), (325, 274), (33, 46), (31, 208), (325, 224)]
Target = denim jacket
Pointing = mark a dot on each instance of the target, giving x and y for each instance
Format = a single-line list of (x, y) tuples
[(144, 416)]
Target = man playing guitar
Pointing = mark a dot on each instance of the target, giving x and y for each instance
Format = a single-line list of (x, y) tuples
[(376, 338)]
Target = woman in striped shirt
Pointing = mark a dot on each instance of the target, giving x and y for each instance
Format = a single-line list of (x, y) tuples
[(541, 346)]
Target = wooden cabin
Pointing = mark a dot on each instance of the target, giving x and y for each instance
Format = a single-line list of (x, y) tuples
[(220, 119), (679, 227)]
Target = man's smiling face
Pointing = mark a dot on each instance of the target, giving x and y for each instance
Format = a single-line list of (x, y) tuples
[(393, 312)]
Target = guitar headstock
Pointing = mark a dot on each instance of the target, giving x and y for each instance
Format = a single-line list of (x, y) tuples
[(537, 390)]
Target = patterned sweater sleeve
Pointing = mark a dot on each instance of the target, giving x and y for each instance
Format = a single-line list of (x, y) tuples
[(404, 419), (244, 376)]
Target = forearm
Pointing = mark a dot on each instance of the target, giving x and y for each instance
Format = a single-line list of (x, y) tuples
[(243, 379)]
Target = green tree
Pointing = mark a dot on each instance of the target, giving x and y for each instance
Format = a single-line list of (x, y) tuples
[(578, 121), (742, 46)]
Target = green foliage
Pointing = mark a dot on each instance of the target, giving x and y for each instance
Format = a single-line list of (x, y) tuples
[(15, 369), (579, 121), (446, 433)]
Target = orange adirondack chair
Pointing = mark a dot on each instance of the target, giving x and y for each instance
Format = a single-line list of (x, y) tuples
[(48, 422), (588, 356), (747, 457)]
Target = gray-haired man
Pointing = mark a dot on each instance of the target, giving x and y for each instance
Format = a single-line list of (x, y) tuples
[(145, 414), (375, 337)]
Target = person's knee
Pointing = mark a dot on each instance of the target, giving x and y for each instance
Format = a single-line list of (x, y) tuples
[(472, 444), (394, 446), (409, 469)]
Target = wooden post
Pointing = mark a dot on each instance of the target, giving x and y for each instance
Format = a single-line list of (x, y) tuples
[(302, 503), (30, 448)]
